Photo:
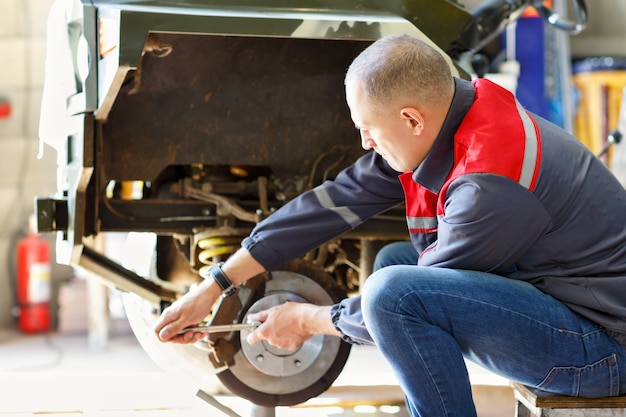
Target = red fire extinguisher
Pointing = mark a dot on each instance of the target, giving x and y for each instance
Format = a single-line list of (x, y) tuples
[(33, 283)]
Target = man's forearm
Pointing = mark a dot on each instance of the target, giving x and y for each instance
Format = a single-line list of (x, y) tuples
[(318, 320), (241, 266)]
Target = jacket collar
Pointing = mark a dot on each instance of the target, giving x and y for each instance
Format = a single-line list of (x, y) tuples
[(434, 169)]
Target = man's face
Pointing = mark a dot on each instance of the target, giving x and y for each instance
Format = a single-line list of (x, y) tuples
[(389, 132)]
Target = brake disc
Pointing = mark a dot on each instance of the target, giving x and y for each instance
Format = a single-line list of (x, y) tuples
[(260, 373), (271, 377)]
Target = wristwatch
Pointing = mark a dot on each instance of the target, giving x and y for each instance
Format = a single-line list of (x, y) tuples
[(218, 275)]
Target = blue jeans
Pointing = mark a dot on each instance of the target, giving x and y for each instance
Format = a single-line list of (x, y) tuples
[(425, 320)]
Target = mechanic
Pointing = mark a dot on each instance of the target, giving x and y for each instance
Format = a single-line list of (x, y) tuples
[(517, 257)]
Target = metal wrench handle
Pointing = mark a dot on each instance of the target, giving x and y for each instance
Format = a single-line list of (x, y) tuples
[(222, 328)]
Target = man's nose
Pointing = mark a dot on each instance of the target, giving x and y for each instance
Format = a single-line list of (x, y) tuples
[(366, 141)]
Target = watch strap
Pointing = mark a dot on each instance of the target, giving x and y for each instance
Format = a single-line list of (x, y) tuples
[(221, 279)]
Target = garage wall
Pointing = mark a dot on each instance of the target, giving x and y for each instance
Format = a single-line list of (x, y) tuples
[(23, 176), (605, 33)]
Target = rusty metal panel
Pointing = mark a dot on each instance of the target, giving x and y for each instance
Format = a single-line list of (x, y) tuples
[(222, 100)]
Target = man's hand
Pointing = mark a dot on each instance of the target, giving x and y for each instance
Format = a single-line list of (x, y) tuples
[(187, 311), (289, 325)]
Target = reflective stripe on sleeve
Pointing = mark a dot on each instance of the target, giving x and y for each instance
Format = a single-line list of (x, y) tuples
[(530, 149), (344, 212)]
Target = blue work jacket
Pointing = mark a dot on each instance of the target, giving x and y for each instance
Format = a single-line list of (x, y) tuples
[(558, 222)]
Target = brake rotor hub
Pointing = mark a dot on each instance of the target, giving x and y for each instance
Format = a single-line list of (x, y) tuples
[(274, 361)]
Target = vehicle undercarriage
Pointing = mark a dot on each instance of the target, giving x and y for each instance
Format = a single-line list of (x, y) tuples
[(198, 119)]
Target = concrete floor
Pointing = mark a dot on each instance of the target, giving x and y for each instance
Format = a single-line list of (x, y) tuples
[(60, 375)]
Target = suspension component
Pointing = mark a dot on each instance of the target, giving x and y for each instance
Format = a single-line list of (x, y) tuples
[(216, 248)]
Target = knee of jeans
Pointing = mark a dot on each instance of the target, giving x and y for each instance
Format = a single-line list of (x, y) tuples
[(377, 293)]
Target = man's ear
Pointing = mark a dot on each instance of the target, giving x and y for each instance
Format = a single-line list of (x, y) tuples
[(414, 118)]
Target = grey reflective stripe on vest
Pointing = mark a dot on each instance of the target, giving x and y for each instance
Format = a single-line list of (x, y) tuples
[(346, 214), (422, 223), (530, 150)]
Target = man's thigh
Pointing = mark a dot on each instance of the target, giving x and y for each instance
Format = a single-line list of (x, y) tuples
[(509, 327), (396, 253)]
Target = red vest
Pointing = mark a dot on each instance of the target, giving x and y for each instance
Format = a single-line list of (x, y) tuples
[(497, 136)]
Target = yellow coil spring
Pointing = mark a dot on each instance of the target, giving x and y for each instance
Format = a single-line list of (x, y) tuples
[(212, 250)]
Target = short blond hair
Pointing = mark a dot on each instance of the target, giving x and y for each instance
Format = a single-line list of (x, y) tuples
[(401, 68)]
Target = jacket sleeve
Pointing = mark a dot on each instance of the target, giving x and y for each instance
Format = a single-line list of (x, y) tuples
[(348, 320), (489, 222), (364, 189)]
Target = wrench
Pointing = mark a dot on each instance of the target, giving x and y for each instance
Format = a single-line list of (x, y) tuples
[(222, 328)]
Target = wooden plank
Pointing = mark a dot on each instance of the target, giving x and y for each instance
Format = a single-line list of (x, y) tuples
[(541, 399)]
